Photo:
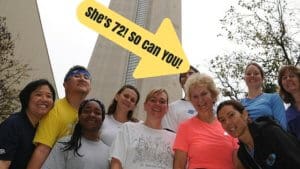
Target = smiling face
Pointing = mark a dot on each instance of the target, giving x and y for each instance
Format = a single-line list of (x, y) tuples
[(78, 82), (201, 98), (40, 101), (90, 118), (290, 82), (127, 100), (253, 77), (184, 76), (234, 122), (156, 105)]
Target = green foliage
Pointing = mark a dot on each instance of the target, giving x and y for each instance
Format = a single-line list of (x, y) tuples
[(11, 72), (265, 32)]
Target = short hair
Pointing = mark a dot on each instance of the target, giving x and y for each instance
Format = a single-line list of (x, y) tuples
[(286, 96), (235, 104), (25, 93), (191, 68), (156, 91), (258, 67), (76, 67), (198, 79)]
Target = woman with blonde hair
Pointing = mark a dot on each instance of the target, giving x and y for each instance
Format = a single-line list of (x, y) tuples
[(201, 142), (145, 145)]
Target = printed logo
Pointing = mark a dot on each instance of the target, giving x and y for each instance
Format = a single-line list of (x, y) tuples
[(191, 112), (2, 151), (271, 159)]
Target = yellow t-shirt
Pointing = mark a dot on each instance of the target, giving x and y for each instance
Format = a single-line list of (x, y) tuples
[(59, 122)]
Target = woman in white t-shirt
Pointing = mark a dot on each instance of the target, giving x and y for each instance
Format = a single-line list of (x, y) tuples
[(145, 145), (119, 112)]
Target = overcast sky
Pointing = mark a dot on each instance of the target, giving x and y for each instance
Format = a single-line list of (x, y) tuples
[(70, 43)]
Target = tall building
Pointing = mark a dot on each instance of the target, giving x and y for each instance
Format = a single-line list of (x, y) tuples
[(112, 66), (24, 24)]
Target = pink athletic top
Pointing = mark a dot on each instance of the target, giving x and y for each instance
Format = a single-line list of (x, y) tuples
[(208, 145)]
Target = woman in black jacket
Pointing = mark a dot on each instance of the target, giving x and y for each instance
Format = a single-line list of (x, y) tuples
[(263, 143)]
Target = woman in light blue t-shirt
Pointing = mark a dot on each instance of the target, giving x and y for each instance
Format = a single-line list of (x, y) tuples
[(258, 103)]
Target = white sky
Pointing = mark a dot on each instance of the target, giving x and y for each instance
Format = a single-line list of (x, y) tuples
[(70, 43)]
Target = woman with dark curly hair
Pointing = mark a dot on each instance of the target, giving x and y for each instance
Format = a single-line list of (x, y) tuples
[(289, 82), (84, 149)]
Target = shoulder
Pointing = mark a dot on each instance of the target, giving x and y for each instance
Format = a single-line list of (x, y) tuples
[(64, 104), (169, 130), (264, 124), (179, 103), (60, 143), (271, 95), (187, 123), (169, 133), (264, 121), (14, 120), (130, 124), (58, 105), (65, 139), (176, 102), (292, 113)]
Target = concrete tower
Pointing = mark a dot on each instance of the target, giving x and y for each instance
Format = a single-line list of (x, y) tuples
[(112, 66), (23, 22)]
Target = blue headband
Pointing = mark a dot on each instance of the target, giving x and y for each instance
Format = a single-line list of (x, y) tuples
[(76, 72)]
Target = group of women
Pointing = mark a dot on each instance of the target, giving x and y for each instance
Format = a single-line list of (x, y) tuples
[(255, 132), (268, 134)]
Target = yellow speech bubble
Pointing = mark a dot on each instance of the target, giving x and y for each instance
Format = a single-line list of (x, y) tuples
[(161, 53)]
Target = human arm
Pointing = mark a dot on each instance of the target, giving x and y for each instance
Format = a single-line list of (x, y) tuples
[(278, 111), (45, 137), (180, 159), (236, 161), (115, 164), (180, 148), (4, 164), (39, 156), (118, 148), (57, 158)]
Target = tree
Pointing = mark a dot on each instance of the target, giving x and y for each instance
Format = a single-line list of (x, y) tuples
[(265, 32), (11, 72)]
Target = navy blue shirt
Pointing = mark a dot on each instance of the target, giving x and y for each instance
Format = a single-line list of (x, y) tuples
[(16, 135), (293, 119)]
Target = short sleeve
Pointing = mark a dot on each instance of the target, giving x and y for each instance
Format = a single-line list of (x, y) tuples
[(181, 140), (119, 146), (278, 110), (48, 129), (56, 158)]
